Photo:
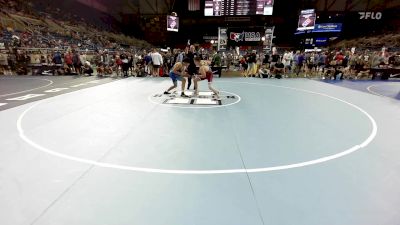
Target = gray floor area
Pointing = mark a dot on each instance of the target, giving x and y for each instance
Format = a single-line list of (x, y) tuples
[(389, 88), (290, 152), (19, 90)]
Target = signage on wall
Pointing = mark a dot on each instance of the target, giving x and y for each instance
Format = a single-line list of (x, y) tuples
[(268, 37), (370, 15), (222, 38), (321, 41), (246, 37), (327, 27)]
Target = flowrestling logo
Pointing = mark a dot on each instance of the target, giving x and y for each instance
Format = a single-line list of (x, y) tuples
[(245, 36), (370, 15)]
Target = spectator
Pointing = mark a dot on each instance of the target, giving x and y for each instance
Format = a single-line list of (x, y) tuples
[(87, 69), (157, 60), (125, 64), (147, 61), (68, 60), (278, 69), (252, 67), (299, 61), (76, 61)]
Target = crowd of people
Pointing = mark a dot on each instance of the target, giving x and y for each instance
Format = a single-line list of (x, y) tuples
[(328, 64), (155, 62), (43, 39)]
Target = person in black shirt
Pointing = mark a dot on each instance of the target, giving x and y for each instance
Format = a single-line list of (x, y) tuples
[(252, 66), (279, 69), (266, 59), (192, 69), (274, 59)]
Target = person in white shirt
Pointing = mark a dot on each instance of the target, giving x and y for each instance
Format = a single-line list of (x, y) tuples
[(83, 56), (287, 61), (157, 62)]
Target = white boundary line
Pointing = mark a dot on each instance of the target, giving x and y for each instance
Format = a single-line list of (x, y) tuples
[(197, 107), (51, 82), (376, 85), (204, 172)]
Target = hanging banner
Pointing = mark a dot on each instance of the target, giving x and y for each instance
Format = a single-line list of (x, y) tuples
[(173, 23), (222, 38), (307, 20), (268, 37), (245, 37)]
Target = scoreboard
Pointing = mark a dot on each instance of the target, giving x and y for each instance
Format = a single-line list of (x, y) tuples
[(238, 7)]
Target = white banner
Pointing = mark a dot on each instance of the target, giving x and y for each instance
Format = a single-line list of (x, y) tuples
[(268, 37), (222, 38)]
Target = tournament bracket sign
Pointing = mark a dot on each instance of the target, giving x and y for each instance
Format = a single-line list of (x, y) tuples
[(245, 37)]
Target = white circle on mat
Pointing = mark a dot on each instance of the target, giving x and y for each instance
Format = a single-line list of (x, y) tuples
[(343, 153), (369, 88), (24, 91)]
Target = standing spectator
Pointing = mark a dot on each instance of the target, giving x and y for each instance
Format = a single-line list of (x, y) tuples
[(4, 64), (157, 60), (298, 61), (125, 64), (321, 62), (68, 60), (12, 61), (243, 65), (180, 56), (147, 63), (57, 60), (83, 56), (274, 58), (310, 60), (287, 61), (216, 63), (131, 64), (170, 62), (76, 60), (252, 66), (229, 60), (118, 64), (216, 59), (266, 60)]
